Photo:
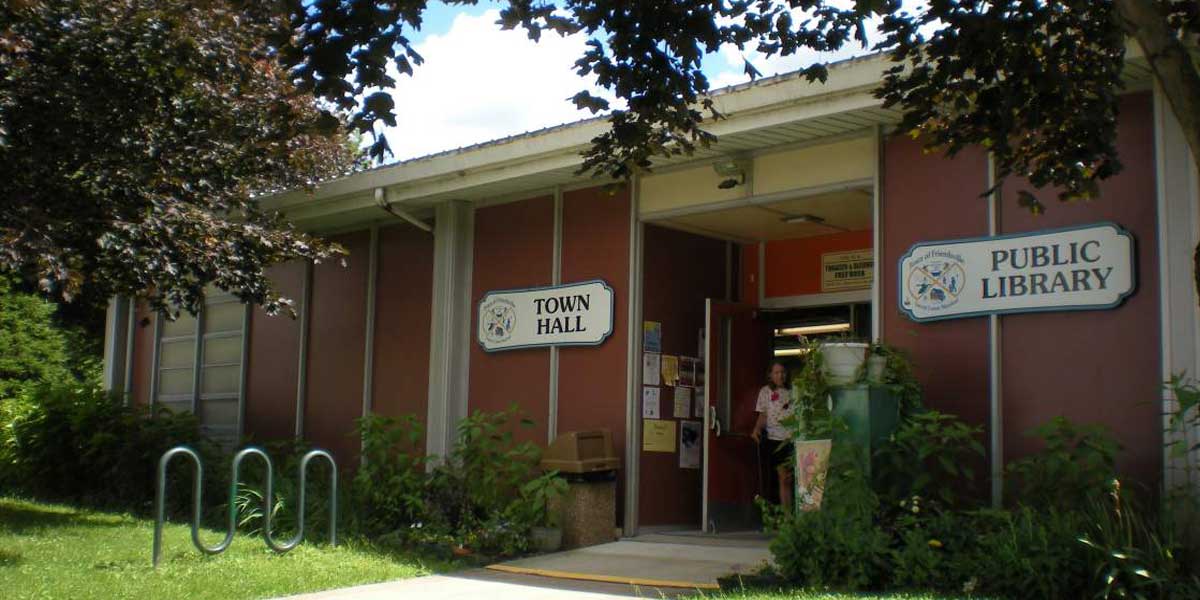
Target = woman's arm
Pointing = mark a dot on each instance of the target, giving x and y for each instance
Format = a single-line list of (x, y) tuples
[(758, 426)]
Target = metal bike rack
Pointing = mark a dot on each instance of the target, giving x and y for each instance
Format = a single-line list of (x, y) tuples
[(268, 500)]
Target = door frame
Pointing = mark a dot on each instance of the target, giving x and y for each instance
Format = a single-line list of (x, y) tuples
[(637, 221)]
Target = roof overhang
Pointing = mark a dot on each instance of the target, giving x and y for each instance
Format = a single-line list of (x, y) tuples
[(761, 115)]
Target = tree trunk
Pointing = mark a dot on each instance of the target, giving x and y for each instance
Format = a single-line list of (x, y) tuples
[(1177, 74)]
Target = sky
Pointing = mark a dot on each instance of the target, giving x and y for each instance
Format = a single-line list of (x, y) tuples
[(479, 83)]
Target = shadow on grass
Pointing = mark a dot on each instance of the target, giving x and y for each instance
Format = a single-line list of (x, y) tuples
[(8, 558), (25, 518)]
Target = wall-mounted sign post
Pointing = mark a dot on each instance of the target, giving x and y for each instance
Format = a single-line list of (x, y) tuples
[(576, 314), (1081, 268)]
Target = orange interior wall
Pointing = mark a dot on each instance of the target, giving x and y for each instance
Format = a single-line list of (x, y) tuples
[(794, 266), (748, 276)]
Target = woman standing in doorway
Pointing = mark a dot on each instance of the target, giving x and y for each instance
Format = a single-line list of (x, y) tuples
[(774, 405)]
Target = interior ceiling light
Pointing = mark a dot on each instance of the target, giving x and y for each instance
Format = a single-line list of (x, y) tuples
[(814, 329), (814, 219), (792, 351)]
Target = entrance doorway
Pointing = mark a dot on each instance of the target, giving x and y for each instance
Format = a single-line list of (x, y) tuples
[(734, 289), (744, 342)]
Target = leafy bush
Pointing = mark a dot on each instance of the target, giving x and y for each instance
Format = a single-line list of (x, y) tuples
[(1094, 542), (485, 496), (84, 445), (389, 485), (1022, 553), (930, 456), (1135, 553), (1077, 462), (286, 457), (471, 493), (33, 349), (840, 544), (829, 548)]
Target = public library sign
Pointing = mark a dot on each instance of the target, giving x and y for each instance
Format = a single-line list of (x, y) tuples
[(1081, 268), (575, 314)]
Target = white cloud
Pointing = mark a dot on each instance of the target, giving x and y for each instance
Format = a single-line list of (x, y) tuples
[(480, 83), (734, 73)]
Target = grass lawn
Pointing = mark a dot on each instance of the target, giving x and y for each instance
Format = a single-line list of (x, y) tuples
[(50, 551)]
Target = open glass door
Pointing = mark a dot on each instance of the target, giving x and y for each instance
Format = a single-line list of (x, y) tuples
[(735, 361)]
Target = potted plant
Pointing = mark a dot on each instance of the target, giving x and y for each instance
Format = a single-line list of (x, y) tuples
[(843, 359), (537, 507), (877, 362)]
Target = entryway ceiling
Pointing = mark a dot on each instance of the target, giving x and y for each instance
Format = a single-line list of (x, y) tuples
[(848, 210)]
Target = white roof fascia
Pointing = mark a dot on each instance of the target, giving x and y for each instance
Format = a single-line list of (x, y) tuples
[(750, 106)]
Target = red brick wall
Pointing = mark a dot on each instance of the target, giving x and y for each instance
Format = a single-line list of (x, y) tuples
[(929, 197), (337, 327), (513, 249), (592, 379), (1094, 366), (272, 364), (403, 307)]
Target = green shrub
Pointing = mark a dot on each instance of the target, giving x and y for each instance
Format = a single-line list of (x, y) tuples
[(827, 548), (470, 494), (1076, 463), (1022, 553), (930, 456), (84, 445), (286, 456), (1135, 553), (389, 485), (839, 545), (485, 496), (33, 349)]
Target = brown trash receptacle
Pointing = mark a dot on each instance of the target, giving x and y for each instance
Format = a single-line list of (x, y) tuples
[(589, 509), (581, 452)]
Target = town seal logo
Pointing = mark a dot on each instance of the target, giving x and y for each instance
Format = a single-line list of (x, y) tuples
[(499, 320), (935, 280)]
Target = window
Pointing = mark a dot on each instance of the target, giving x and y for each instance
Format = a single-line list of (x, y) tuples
[(199, 365)]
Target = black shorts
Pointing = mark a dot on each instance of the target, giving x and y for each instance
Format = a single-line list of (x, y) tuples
[(782, 453)]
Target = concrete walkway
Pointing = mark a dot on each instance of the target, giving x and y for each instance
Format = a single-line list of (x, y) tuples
[(485, 584), (649, 566)]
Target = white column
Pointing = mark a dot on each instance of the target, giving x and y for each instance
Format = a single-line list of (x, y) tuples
[(116, 334), (877, 239), (633, 365), (995, 366), (302, 355), (451, 325), (555, 279), (1178, 193)]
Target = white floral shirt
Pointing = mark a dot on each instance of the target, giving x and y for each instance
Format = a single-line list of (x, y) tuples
[(777, 404)]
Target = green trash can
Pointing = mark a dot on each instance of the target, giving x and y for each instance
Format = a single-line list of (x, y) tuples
[(872, 413)]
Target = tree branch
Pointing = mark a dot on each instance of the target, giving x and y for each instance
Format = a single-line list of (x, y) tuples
[(1172, 64), (1176, 74)]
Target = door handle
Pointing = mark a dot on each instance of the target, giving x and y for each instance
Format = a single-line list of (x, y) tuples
[(715, 423)]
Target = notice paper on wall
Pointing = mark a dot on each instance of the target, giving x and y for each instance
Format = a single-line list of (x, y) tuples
[(699, 404), (651, 336), (683, 402), (650, 368), (687, 371), (650, 402), (670, 369), (690, 434), (658, 435)]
